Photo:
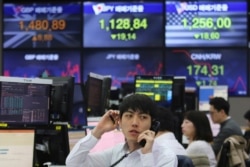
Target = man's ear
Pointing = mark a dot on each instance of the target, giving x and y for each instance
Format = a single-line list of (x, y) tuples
[(223, 111)]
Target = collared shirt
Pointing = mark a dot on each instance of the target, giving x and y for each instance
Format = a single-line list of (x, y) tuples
[(80, 156), (168, 140), (200, 147)]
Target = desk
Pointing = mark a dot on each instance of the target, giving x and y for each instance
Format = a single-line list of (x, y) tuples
[(75, 136)]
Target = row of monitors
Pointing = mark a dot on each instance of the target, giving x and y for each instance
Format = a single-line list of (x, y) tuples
[(169, 91), (199, 66), (27, 101), (35, 101), (198, 23)]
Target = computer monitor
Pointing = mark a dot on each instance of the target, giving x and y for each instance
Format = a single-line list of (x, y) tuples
[(190, 99), (24, 101), (207, 92), (127, 88), (61, 98), (51, 144), (158, 88), (17, 147), (79, 113), (97, 92), (178, 103)]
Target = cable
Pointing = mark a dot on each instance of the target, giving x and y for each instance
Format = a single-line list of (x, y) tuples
[(119, 160)]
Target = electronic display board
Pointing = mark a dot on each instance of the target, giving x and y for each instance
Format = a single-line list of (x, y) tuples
[(206, 23), (41, 63), (42, 25), (158, 88), (122, 64), (123, 24), (210, 67)]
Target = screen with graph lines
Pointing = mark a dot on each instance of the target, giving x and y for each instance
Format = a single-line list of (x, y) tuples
[(206, 23), (42, 63), (123, 64), (210, 67)]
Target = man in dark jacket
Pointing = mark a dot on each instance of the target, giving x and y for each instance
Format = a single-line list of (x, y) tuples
[(219, 110)]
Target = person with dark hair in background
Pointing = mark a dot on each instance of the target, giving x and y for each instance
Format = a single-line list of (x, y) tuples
[(219, 111), (247, 130), (196, 128), (165, 136), (135, 117)]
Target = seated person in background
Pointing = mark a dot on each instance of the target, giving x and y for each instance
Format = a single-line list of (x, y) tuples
[(219, 111), (135, 117), (165, 136), (247, 130), (196, 128)]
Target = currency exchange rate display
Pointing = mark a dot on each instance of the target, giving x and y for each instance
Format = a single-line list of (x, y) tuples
[(41, 25), (210, 67), (206, 23), (123, 24)]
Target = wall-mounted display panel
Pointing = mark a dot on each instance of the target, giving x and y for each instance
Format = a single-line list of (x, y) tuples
[(123, 24), (210, 67), (122, 64), (42, 25), (206, 23), (42, 63)]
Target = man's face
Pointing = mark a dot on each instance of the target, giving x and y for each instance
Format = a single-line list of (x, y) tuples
[(248, 123), (216, 116), (133, 123)]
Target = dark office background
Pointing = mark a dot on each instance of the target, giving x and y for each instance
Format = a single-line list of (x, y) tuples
[(160, 41)]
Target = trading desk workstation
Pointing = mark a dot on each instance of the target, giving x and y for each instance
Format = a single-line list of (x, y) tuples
[(36, 121), (38, 115), (34, 116)]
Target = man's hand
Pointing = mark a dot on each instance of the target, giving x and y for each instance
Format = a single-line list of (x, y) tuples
[(108, 122), (149, 136)]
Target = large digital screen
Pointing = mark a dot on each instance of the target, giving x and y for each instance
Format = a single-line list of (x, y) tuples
[(42, 25), (210, 67), (123, 64), (206, 23), (32, 64), (123, 24)]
